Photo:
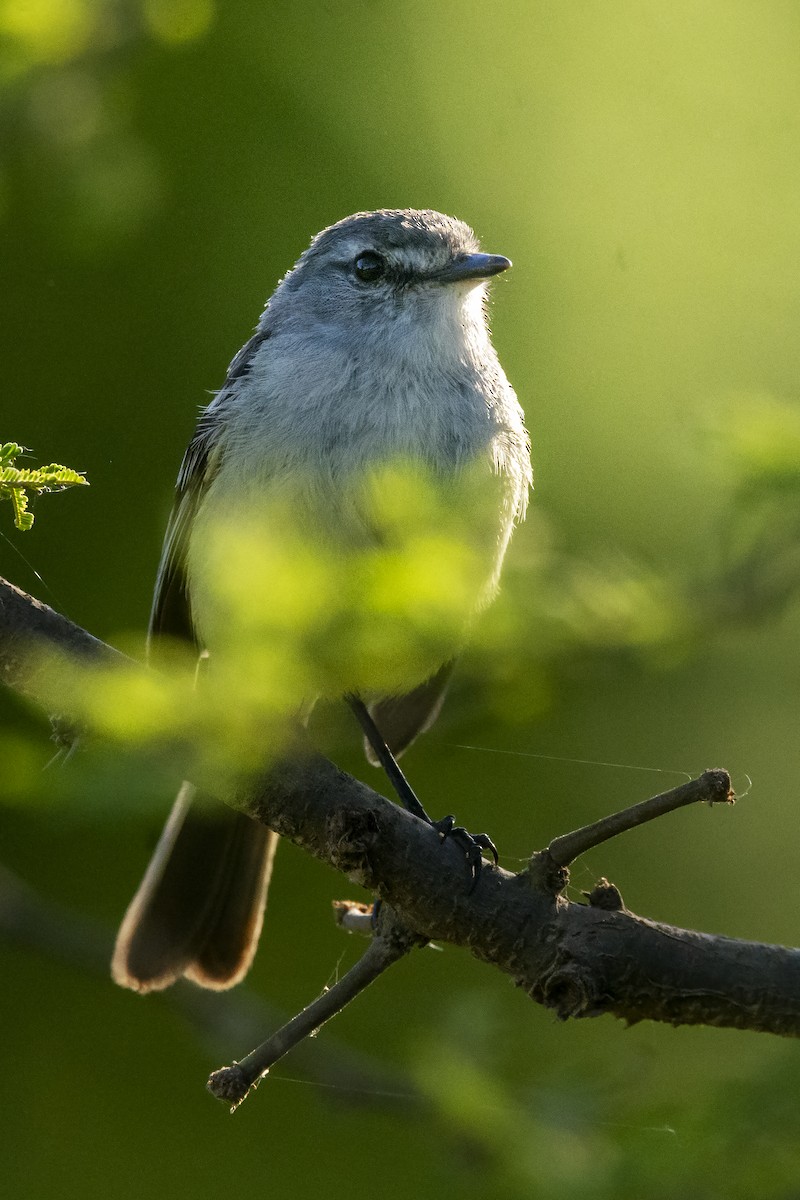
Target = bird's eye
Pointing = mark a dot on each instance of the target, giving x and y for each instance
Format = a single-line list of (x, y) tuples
[(369, 266)]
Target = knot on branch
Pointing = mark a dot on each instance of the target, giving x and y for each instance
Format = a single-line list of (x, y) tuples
[(569, 991), (543, 874), (606, 895), (351, 836)]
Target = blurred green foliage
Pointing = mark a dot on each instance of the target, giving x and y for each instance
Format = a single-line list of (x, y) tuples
[(161, 165)]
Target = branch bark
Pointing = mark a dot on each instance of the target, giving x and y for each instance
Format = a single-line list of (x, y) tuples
[(578, 960)]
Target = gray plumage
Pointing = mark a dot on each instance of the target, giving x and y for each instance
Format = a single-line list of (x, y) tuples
[(373, 349)]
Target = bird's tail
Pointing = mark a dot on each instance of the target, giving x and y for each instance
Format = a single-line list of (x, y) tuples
[(199, 909)]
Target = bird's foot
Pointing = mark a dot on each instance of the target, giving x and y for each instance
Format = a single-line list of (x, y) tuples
[(471, 843)]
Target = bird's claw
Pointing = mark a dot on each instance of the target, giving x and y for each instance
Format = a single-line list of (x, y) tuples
[(471, 843)]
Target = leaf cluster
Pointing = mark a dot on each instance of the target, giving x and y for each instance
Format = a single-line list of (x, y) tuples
[(16, 483)]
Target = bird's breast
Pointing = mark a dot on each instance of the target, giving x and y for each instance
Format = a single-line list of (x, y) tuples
[(356, 522)]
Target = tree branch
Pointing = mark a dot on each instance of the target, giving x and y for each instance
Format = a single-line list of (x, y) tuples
[(578, 960), (26, 623), (391, 942), (713, 787)]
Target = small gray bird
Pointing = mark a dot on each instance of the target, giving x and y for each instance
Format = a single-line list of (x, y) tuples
[(373, 353)]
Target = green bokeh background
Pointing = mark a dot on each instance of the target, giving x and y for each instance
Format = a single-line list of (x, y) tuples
[(162, 163)]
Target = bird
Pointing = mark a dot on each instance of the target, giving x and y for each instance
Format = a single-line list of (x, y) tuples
[(372, 362)]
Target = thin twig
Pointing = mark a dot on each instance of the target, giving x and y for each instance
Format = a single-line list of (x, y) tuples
[(350, 1077), (393, 941), (713, 787)]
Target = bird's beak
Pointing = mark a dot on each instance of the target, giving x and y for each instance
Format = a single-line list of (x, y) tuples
[(472, 266)]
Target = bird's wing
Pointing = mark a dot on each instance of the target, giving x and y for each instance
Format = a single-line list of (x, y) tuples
[(171, 614), (199, 908), (400, 719)]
